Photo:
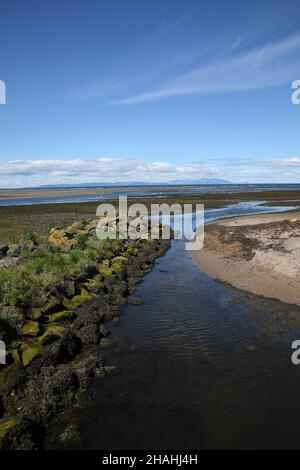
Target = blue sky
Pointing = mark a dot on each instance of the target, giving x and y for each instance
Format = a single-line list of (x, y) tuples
[(149, 91)]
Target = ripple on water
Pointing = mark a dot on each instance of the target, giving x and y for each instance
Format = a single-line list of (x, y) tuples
[(196, 371)]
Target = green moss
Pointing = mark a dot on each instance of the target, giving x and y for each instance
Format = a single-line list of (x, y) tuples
[(36, 313), (131, 251), (52, 333), (5, 426), (107, 273), (14, 344), (61, 316), (118, 263), (30, 353), (31, 328), (52, 306), (77, 300), (16, 355), (95, 284)]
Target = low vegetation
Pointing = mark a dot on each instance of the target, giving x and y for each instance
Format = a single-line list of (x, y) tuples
[(15, 220), (46, 277)]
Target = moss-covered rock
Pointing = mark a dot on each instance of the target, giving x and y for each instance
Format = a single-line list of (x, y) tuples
[(77, 300), (30, 353), (94, 285), (61, 316), (5, 426), (118, 263), (131, 251), (52, 333), (31, 328), (16, 355), (53, 305), (106, 273), (105, 262), (36, 313)]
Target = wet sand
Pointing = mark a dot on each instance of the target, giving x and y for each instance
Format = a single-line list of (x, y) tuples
[(258, 254)]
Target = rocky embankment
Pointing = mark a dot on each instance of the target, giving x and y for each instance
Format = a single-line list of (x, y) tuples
[(258, 254), (56, 352)]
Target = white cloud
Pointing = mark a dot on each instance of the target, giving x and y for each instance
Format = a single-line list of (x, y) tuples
[(26, 173), (35, 172)]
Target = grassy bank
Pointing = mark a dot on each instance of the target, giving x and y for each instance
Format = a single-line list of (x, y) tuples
[(56, 295)]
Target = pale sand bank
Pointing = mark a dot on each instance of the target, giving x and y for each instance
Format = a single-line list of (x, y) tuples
[(258, 253)]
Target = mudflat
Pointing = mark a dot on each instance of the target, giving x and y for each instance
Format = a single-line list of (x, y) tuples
[(258, 254)]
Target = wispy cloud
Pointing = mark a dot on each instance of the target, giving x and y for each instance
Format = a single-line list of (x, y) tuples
[(270, 65)]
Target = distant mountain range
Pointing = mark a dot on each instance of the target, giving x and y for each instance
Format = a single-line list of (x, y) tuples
[(134, 183)]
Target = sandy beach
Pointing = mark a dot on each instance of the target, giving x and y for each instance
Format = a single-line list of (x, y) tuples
[(258, 254)]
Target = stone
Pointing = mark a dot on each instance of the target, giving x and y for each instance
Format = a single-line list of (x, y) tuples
[(118, 263), (28, 247), (89, 334), (13, 250), (103, 330), (94, 285), (75, 227), (9, 375), (51, 334), (52, 306), (16, 355), (135, 301), (30, 328), (77, 300), (107, 273), (7, 263), (69, 285), (30, 354), (60, 238), (70, 434), (70, 345), (36, 313), (3, 250), (6, 426), (61, 316)]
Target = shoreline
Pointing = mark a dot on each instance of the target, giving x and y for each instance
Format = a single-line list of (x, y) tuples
[(50, 370), (257, 253)]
